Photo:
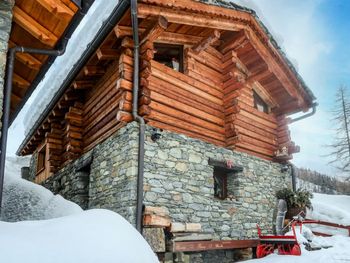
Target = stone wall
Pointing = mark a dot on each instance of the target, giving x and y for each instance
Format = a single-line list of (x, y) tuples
[(5, 28), (178, 176), (104, 177)]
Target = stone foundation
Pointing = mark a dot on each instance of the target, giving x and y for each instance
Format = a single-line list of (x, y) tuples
[(177, 176)]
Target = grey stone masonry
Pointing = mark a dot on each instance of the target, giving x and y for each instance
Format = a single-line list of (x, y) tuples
[(104, 177), (178, 176), (5, 29)]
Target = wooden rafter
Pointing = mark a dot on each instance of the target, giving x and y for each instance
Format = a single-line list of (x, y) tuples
[(57, 8), (206, 42), (20, 82), (33, 27), (107, 54), (93, 71), (154, 31)]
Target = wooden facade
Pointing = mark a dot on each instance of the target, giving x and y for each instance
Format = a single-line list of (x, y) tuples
[(227, 60)]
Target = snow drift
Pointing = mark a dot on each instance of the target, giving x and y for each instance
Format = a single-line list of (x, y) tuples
[(24, 200), (90, 236)]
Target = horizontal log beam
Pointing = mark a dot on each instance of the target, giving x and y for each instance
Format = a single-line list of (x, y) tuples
[(191, 246), (154, 31), (33, 27)]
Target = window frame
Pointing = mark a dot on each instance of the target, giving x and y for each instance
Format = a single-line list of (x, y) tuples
[(258, 100), (173, 46), (222, 175), (41, 159)]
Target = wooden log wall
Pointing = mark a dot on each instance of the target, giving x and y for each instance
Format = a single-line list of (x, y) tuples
[(108, 105), (212, 100)]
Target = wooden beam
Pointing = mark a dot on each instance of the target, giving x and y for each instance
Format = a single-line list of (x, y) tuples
[(189, 246), (107, 54), (20, 82), (154, 31), (186, 18), (164, 37), (16, 99), (206, 42), (57, 8), (33, 27), (83, 84), (93, 71)]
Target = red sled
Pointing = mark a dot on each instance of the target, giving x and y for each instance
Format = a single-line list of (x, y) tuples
[(286, 245)]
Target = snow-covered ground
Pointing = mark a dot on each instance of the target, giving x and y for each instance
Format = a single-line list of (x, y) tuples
[(93, 236), (70, 236), (329, 208)]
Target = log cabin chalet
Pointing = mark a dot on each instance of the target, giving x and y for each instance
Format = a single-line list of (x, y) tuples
[(215, 91)]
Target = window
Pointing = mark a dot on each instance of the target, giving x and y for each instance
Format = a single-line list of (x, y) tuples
[(169, 55), (224, 178), (220, 183), (41, 159), (259, 103)]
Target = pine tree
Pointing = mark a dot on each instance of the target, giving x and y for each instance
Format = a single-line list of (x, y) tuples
[(341, 145)]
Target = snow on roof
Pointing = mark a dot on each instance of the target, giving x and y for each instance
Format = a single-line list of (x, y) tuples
[(91, 236)]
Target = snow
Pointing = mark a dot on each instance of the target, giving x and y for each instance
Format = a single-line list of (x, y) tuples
[(24, 200), (330, 208), (339, 252), (71, 235), (90, 236), (81, 38)]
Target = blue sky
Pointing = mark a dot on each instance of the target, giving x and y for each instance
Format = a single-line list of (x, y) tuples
[(315, 34)]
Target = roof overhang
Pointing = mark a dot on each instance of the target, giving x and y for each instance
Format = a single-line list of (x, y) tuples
[(41, 24)]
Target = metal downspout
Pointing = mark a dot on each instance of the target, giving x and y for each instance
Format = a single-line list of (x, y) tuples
[(137, 117), (7, 99), (292, 166), (294, 181)]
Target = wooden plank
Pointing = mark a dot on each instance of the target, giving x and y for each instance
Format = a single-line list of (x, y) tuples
[(191, 246), (33, 27), (186, 83), (57, 8), (156, 220)]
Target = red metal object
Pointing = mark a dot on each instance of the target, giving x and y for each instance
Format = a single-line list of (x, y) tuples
[(286, 245)]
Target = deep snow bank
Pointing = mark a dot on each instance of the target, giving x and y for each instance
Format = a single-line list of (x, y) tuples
[(23, 200), (330, 208), (90, 236)]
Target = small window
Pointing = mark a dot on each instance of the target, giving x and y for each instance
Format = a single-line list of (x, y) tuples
[(259, 103), (41, 159), (169, 55), (224, 176), (220, 183)]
